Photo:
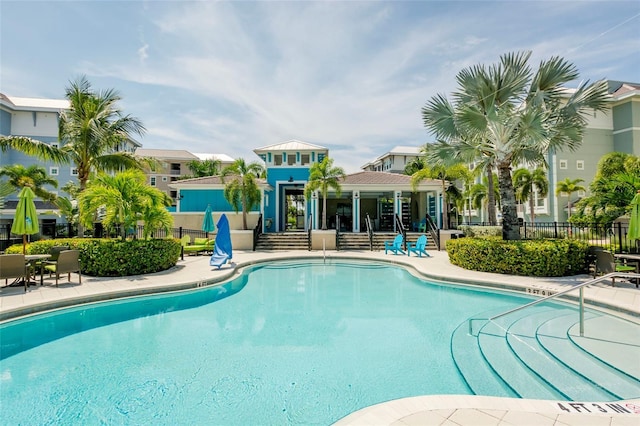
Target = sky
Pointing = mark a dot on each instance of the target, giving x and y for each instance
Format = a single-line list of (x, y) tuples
[(227, 77)]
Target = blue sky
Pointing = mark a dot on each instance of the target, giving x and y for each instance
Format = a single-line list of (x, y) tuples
[(228, 77)]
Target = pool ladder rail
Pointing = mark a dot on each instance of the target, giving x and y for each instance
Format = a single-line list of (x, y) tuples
[(561, 293)]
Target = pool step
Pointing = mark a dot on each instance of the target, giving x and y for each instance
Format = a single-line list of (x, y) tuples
[(553, 337), (523, 341), (471, 364), (492, 340), (537, 353)]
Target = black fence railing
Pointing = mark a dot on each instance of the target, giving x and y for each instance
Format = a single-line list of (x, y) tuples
[(613, 237)]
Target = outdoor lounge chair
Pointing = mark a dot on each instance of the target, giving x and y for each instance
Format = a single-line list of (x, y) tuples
[(419, 247), (14, 266), (394, 246), (55, 253), (68, 262), (606, 263)]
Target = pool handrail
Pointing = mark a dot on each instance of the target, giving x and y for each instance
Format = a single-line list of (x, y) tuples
[(561, 293)]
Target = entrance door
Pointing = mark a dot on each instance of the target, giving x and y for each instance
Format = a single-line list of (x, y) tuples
[(294, 209)]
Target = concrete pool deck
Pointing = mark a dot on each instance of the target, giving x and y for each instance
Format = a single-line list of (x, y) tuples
[(194, 271)]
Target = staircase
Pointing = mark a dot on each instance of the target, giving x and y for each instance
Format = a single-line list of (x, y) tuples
[(502, 357), (360, 241), (282, 241)]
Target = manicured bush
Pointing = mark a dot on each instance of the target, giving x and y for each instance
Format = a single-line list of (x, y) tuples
[(113, 258), (537, 258), (481, 231)]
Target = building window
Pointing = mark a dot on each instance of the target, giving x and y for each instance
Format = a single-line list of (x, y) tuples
[(74, 171), (174, 178), (304, 159), (53, 171), (277, 159), (153, 181), (563, 164), (175, 168), (164, 178), (291, 159), (580, 165)]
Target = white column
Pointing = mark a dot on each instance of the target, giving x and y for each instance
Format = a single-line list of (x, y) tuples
[(397, 207), (315, 209), (355, 211)]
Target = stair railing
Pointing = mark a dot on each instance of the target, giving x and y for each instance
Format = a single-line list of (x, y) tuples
[(257, 231), (337, 232), (580, 287), (309, 228), (367, 222), (401, 230), (433, 230)]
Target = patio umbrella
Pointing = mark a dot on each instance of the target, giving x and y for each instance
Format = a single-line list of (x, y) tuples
[(25, 221), (207, 223), (634, 218)]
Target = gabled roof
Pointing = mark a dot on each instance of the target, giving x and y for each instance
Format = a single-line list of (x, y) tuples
[(383, 178), (223, 158), (290, 145), (34, 104), (208, 182), (174, 154)]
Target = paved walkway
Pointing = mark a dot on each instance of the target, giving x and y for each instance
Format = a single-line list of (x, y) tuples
[(194, 271)]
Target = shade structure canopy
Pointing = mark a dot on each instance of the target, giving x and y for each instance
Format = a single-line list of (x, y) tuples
[(207, 223), (25, 221), (634, 219)]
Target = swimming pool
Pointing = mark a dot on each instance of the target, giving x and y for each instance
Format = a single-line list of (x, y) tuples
[(286, 343)]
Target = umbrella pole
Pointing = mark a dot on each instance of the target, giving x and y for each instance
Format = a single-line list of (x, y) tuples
[(24, 243)]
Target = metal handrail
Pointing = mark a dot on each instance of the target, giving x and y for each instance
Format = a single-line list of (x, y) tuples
[(401, 230), (337, 232), (433, 230), (580, 286), (369, 231), (309, 228)]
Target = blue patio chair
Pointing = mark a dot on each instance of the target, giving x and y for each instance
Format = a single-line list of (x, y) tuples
[(394, 246), (419, 247), (422, 226)]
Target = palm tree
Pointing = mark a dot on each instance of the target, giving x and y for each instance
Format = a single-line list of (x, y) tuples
[(414, 165), (506, 114), (124, 197), (569, 186), (34, 176), (5, 189), (444, 172), (527, 184), (323, 176), (241, 189), (202, 168), (90, 132)]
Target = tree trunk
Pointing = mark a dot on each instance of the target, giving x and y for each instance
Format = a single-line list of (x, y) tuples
[(445, 207), (531, 205), (491, 199), (510, 228), (324, 212), (244, 213)]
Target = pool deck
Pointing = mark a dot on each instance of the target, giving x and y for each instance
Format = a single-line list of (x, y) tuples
[(194, 271)]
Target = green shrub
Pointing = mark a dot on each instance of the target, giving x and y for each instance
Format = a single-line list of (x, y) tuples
[(537, 258), (481, 231), (113, 258)]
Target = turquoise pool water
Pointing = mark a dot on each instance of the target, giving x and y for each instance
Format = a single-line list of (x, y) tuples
[(288, 343)]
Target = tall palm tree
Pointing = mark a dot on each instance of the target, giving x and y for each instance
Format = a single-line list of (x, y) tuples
[(529, 183), (201, 168), (34, 176), (569, 186), (124, 197), (508, 114), (90, 132), (414, 165), (324, 176), (444, 172), (241, 189)]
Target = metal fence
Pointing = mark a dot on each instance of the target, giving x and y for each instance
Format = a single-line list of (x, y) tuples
[(613, 237)]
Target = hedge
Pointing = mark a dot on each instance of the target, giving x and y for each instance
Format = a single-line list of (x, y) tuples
[(537, 258), (113, 257)]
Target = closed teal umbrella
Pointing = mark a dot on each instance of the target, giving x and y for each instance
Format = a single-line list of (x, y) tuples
[(207, 223), (25, 221), (634, 219)]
